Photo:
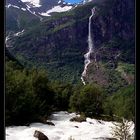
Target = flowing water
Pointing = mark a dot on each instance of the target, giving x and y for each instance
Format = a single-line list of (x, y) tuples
[(87, 56), (92, 129)]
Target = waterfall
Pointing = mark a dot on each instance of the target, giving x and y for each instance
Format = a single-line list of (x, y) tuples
[(90, 48), (7, 38)]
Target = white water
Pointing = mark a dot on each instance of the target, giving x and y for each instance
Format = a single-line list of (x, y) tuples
[(11, 36), (19, 33), (6, 40), (90, 48), (63, 129)]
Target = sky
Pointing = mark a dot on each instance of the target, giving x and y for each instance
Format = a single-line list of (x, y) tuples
[(73, 1)]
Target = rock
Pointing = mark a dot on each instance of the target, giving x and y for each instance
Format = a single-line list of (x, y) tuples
[(50, 123), (78, 119), (76, 126), (91, 122), (99, 121), (45, 121), (40, 135), (111, 139)]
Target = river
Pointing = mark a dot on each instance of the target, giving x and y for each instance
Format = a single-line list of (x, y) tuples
[(64, 129)]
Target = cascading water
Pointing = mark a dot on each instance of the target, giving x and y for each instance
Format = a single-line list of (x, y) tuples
[(90, 48), (7, 38)]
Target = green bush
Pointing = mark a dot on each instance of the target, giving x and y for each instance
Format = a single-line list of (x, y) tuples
[(121, 103), (28, 95), (87, 100), (62, 95)]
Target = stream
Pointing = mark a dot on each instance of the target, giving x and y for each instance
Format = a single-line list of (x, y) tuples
[(92, 129)]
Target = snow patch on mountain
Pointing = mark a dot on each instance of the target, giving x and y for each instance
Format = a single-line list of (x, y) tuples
[(10, 5), (34, 13), (56, 9), (59, 1), (59, 9), (44, 14), (35, 3), (85, 1), (23, 9)]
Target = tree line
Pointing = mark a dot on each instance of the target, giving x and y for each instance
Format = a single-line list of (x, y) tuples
[(31, 97)]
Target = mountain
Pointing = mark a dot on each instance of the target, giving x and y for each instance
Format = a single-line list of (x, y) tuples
[(21, 14), (37, 9), (58, 43)]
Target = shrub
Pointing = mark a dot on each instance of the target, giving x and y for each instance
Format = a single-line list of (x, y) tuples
[(87, 100)]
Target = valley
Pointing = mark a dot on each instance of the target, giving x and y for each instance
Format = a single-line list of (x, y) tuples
[(65, 59)]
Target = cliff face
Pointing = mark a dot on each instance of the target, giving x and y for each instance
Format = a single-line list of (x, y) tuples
[(60, 42), (113, 36)]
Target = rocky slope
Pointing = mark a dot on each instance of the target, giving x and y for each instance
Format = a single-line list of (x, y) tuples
[(60, 42)]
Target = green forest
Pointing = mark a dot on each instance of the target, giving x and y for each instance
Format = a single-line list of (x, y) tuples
[(31, 97)]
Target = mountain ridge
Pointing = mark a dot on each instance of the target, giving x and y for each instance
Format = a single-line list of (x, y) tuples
[(41, 8)]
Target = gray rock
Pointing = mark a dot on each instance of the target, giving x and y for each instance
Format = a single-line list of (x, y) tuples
[(49, 123), (40, 135)]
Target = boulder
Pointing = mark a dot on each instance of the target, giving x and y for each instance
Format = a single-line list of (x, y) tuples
[(49, 123), (45, 121), (91, 123), (78, 119), (40, 135)]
